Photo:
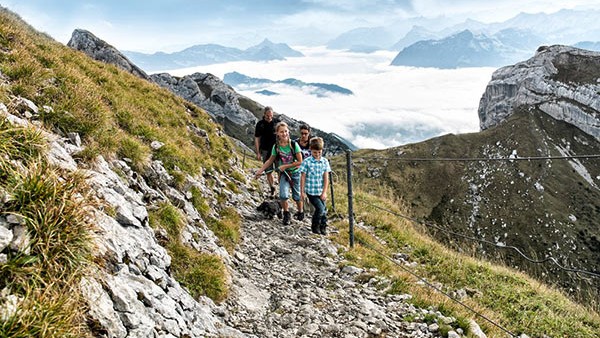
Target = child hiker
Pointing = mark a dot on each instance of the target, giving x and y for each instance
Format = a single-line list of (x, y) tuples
[(288, 156), (314, 180)]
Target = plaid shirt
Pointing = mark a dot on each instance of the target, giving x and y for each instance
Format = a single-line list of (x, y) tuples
[(314, 170)]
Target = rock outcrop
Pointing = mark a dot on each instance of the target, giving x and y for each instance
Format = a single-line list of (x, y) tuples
[(214, 96), (88, 43), (561, 81)]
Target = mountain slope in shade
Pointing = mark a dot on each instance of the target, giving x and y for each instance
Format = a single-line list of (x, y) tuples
[(547, 208), (236, 79)]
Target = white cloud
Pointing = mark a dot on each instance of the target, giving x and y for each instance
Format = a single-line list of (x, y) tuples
[(390, 106)]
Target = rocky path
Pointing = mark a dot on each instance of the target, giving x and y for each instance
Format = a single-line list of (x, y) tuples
[(289, 282)]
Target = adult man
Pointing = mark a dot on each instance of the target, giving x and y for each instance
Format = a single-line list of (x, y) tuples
[(264, 139)]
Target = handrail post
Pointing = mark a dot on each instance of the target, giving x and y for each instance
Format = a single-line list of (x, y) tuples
[(350, 207), (331, 189)]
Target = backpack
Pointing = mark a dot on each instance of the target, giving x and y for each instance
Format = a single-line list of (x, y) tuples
[(292, 147)]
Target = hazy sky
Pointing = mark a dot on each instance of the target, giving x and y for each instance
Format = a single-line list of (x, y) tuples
[(171, 25)]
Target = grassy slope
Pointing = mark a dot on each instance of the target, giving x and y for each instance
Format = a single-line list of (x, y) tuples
[(506, 205), (117, 115), (441, 193)]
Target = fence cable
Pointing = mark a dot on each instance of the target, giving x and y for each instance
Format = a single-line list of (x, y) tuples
[(429, 284), (541, 261), (477, 159)]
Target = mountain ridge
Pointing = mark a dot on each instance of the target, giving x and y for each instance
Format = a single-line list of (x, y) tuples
[(206, 54)]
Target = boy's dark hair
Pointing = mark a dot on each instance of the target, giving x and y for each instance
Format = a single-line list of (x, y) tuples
[(304, 127), (316, 143)]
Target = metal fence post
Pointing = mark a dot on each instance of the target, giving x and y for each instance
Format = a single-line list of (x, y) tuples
[(331, 189), (350, 207)]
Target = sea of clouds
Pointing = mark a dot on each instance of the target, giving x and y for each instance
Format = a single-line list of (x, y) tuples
[(391, 105)]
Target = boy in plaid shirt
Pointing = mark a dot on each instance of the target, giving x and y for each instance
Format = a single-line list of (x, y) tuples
[(314, 181)]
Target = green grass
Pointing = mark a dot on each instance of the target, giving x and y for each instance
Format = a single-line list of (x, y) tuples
[(202, 274), (54, 211), (115, 113), (510, 298), (117, 116), (226, 228)]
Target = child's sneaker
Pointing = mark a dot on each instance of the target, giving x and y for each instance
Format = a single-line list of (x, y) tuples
[(286, 218)]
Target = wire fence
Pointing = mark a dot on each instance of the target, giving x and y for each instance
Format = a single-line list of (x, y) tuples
[(351, 199)]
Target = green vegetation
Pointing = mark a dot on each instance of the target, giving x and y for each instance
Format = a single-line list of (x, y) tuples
[(201, 273), (115, 113), (543, 207), (52, 206), (118, 115), (509, 298), (226, 227)]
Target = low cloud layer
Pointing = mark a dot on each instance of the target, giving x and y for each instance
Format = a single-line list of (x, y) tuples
[(391, 105)]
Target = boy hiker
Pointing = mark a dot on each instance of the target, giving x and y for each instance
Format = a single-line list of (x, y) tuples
[(287, 154), (314, 180), (264, 139)]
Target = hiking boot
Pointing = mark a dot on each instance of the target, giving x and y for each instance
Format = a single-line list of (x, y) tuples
[(299, 216), (272, 191), (315, 228), (323, 229), (286, 218)]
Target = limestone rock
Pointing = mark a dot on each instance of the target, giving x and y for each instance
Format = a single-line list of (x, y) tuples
[(561, 81), (88, 43)]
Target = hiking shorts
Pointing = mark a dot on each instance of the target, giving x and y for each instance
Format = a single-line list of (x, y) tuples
[(265, 154)]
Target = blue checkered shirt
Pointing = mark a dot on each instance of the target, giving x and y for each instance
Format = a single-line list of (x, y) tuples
[(314, 170)]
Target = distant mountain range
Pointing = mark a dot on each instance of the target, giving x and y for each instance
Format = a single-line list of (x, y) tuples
[(236, 79), (442, 43), (467, 49), (421, 42), (200, 55), (566, 27)]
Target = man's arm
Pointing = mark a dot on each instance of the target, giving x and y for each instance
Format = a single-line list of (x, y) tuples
[(257, 148)]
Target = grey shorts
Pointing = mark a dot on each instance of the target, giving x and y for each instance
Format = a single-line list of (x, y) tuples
[(265, 154)]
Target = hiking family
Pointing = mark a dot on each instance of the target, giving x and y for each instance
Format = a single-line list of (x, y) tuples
[(300, 165)]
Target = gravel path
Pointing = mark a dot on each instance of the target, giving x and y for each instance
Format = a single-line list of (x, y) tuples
[(288, 282)]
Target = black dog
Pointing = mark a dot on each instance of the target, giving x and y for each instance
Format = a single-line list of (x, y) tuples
[(269, 209)]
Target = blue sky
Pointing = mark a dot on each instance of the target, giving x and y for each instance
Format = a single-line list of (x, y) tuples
[(153, 25)]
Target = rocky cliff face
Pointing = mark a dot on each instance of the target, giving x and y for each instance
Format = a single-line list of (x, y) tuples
[(88, 43), (561, 81), (134, 293), (236, 113)]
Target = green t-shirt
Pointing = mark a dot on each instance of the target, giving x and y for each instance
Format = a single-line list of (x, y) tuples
[(285, 155)]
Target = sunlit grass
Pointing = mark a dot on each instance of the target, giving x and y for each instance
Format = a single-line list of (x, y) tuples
[(44, 274), (507, 297), (116, 113), (202, 274), (118, 116)]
